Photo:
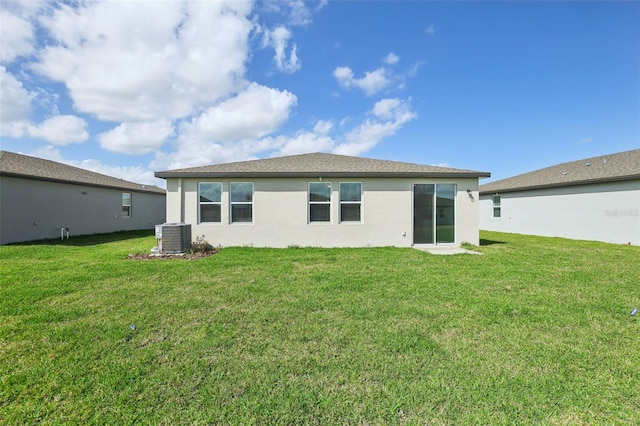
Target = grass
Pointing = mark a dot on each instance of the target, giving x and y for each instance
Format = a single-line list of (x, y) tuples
[(535, 331)]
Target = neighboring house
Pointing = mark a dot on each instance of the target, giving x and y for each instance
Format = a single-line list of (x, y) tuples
[(325, 200), (591, 199), (43, 199)]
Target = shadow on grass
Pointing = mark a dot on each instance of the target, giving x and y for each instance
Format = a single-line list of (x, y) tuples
[(485, 242), (89, 240)]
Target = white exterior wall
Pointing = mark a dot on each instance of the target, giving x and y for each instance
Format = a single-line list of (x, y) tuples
[(280, 213), (608, 212), (32, 210)]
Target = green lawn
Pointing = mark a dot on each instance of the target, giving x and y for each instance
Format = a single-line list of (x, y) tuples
[(535, 331)]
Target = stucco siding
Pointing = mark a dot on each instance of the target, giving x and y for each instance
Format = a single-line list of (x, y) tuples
[(33, 209), (280, 213), (175, 204), (608, 212)]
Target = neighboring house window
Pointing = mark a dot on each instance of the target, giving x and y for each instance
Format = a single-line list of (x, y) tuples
[(241, 198), (126, 204), (496, 206), (319, 201), (210, 202), (350, 201)]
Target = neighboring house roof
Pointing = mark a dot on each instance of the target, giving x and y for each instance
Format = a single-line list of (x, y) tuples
[(319, 165), (606, 168), (26, 167)]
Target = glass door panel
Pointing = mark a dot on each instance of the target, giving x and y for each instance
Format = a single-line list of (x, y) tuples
[(445, 213), (423, 213)]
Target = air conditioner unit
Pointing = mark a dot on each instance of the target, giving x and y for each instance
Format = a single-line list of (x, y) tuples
[(173, 238)]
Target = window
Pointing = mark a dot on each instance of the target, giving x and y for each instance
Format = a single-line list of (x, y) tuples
[(319, 201), (350, 201), (496, 206), (126, 204), (210, 202), (241, 198)]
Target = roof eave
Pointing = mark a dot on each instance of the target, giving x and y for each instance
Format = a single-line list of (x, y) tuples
[(71, 182), (559, 184), (166, 175)]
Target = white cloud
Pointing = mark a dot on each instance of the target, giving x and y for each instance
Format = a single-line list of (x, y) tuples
[(415, 68), (300, 14), (322, 4), (430, 30), (137, 174), (302, 143), (48, 152), (296, 11), (15, 107), (231, 130), (376, 81), (193, 152), (119, 67), (61, 130), (343, 74), (372, 82), (16, 34), (196, 148), (15, 100), (253, 113), (394, 109), (183, 64), (391, 59), (443, 164), (345, 121), (389, 115), (322, 127), (387, 108), (278, 39), (137, 138)]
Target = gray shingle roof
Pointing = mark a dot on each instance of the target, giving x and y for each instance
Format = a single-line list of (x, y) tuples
[(24, 166), (319, 165), (606, 168)]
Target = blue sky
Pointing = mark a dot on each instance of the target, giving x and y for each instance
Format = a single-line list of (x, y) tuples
[(129, 88)]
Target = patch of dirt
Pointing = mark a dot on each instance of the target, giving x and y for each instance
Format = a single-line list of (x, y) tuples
[(186, 256)]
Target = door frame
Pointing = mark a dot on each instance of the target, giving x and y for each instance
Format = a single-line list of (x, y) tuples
[(435, 212)]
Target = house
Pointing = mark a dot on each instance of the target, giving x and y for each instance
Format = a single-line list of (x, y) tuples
[(591, 199), (44, 199), (325, 200)]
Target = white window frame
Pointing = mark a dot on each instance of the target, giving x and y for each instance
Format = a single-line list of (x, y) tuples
[(496, 206), (309, 203), (127, 205), (340, 202), (232, 203), (219, 203)]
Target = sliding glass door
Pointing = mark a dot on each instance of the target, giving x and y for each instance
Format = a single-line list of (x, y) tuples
[(434, 213)]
